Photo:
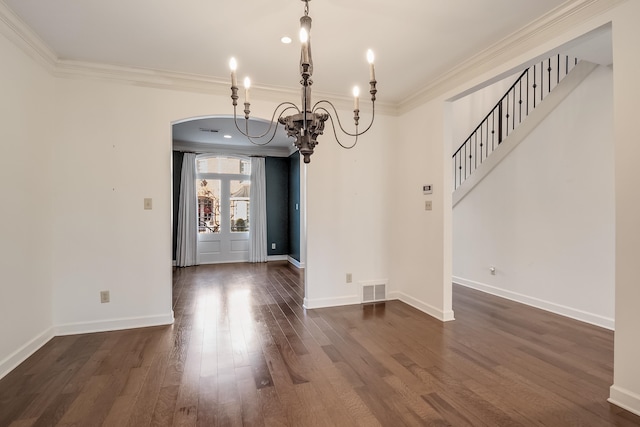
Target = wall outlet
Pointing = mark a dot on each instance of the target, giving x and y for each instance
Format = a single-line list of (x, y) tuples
[(427, 205), (349, 278), (104, 297), (148, 203), (273, 246)]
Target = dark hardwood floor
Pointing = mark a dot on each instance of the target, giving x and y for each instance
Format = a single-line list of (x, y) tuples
[(243, 351)]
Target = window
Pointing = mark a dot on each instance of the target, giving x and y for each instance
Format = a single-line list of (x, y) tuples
[(223, 165), (208, 205), (239, 205), (224, 186)]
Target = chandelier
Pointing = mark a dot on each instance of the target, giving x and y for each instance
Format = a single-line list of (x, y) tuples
[(307, 122)]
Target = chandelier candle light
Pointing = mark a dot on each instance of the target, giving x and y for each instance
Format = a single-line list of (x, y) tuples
[(307, 123)]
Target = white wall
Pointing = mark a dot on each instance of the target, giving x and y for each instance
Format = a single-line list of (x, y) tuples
[(544, 217), (26, 207), (113, 149), (420, 261), (138, 121), (626, 37), (421, 240), (118, 139), (348, 215)]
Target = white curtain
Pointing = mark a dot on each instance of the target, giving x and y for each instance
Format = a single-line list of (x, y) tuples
[(258, 212), (187, 238)]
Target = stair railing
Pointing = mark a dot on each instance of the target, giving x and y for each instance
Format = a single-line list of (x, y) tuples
[(523, 96)]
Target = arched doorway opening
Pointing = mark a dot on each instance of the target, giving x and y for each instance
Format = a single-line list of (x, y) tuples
[(221, 203)]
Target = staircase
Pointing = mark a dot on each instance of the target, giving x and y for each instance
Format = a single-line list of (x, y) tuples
[(505, 125)]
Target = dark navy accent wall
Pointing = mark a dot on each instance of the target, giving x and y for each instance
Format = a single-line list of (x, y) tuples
[(277, 177), (294, 206), (177, 173)]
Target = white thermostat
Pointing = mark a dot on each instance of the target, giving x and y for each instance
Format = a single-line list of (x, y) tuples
[(427, 189)]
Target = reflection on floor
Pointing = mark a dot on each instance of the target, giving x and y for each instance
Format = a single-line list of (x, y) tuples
[(243, 351)]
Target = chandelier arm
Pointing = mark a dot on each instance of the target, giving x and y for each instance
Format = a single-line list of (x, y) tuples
[(318, 106), (251, 138), (273, 135), (272, 124), (335, 133)]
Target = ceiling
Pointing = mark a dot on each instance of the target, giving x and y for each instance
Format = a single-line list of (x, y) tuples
[(220, 134), (415, 41)]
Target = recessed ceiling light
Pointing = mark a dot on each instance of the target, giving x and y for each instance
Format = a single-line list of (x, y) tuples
[(285, 40), (227, 136)]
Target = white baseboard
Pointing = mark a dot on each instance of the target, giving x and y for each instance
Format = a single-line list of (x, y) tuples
[(277, 258), (20, 355), (583, 316), (331, 302), (624, 399), (17, 357), (113, 324), (295, 262), (444, 316)]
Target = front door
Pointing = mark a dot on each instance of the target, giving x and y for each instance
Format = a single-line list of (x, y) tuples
[(223, 185)]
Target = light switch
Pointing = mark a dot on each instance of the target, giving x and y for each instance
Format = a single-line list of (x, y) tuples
[(148, 204)]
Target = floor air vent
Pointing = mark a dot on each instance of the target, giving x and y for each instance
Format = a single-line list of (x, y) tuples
[(374, 292)]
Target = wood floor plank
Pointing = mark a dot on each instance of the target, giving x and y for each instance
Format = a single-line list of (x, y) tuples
[(186, 408), (56, 410), (273, 411), (248, 393), (90, 407), (243, 351), (23, 423), (207, 414), (164, 410), (120, 412), (148, 396)]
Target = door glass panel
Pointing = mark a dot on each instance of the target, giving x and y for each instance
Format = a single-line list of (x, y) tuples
[(208, 205), (224, 165), (239, 205)]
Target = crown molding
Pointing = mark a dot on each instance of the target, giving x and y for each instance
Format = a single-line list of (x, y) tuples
[(188, 82), (136, 76), (25, 38), (552, 24), (16, 30), (548, 26)]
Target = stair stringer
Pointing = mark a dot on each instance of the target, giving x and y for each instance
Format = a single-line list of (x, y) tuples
[(567, 85)]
